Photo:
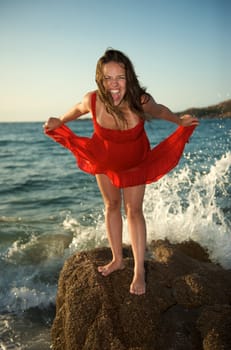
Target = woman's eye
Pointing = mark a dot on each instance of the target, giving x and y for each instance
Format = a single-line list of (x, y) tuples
[(120, 77)]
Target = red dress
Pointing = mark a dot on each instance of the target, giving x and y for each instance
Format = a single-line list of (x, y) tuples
[(124, 156)]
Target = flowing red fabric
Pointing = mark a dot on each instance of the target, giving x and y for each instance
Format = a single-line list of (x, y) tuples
[(124, 156)]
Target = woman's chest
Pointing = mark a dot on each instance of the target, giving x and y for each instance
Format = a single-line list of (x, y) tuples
[(109, 121)]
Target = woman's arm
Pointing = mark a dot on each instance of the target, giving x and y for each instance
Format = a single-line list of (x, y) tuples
[(75, 112), (159, 111)]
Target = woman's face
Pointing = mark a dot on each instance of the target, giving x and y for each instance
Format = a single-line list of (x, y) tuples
[(114, 81)]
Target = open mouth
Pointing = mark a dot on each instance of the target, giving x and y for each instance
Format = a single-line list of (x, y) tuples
[(115, 95)]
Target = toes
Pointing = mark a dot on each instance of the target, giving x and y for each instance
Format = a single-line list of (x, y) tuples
[(111, 267), (137, 291), (103, 270), (137, 288), (100, 268)]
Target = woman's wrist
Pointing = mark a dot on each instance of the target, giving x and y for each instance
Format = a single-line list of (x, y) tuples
[(180, 120), (62, 120)]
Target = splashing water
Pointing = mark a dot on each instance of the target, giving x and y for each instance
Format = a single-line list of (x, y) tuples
[(182, 207)]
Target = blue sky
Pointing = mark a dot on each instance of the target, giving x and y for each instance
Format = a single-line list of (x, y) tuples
[(49, 48)]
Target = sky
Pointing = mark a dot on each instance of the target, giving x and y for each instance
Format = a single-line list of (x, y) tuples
[(181, 51)]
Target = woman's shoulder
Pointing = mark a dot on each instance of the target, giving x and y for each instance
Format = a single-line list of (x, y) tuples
[(88, 98), (145, 98)]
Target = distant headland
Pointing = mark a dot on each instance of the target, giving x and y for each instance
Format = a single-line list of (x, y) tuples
[(220, 110)]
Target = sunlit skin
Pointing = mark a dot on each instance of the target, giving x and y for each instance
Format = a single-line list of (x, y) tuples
[(113, 197)]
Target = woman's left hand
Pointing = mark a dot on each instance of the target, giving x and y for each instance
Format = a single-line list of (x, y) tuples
[(188, 120)]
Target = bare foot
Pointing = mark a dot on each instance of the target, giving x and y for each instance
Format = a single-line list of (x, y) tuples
[(111, 267), (138, 285)]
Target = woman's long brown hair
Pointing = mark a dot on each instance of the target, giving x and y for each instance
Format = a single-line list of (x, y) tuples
[(134, 92)]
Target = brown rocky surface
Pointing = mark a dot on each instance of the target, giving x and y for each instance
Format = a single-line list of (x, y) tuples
[(220, 110), (187, 305)]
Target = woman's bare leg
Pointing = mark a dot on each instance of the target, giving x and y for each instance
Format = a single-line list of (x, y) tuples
[(133, 202), (112, 201)]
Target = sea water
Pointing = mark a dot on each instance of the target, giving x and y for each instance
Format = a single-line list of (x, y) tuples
[(49, 209)]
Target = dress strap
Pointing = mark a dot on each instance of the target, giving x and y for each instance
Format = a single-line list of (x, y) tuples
[(93, 104)]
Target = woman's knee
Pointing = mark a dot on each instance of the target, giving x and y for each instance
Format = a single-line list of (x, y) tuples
[(112, 205), (133, 211), (111, 194)]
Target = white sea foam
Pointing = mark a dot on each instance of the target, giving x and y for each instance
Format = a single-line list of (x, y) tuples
[(25, 293), (23, 298), (182, 207), (86, 237)]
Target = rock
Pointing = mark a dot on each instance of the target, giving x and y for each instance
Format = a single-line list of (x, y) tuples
[(220, 110), (186, 306), (215, 325)]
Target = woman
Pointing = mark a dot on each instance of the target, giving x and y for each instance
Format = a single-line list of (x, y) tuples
[(119, 154)]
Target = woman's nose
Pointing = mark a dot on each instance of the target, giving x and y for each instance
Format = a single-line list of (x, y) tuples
[(114, 81)]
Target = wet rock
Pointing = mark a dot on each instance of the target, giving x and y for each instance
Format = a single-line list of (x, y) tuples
[(215, 325), (186, 305)]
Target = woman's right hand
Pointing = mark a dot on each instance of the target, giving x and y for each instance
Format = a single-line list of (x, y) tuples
[(52, 123)]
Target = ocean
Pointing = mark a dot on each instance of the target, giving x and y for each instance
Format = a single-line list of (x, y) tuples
[(50, 209)]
